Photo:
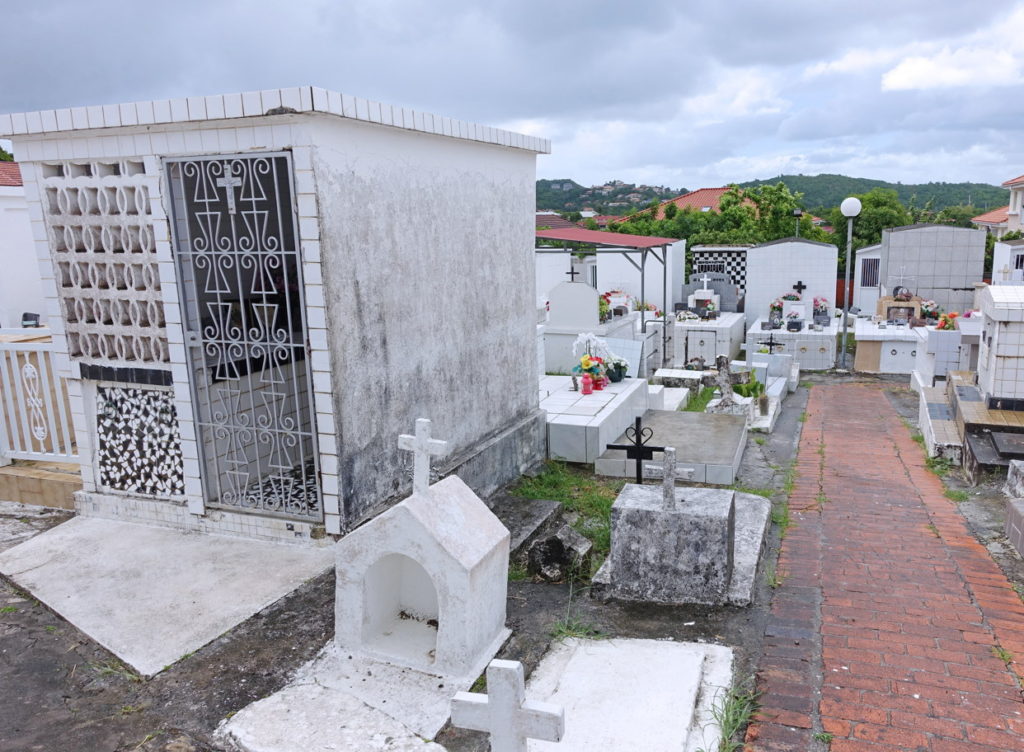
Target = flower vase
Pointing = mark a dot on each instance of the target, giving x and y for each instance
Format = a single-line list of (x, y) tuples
[(616, 374), (588, 384), (598, 383)]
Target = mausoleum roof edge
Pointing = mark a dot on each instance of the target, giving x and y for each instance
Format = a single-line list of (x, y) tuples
[(268, 102)]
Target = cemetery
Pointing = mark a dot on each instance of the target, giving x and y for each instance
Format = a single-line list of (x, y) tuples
[(325, 506)]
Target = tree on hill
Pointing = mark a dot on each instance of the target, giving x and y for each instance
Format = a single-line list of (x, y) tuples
[(880, 210), (5, 156)]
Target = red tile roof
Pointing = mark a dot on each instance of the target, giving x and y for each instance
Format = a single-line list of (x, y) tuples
[(553, 221), (10, 174), (1014, 181), (597, 237), (994, 217), (702, 199)]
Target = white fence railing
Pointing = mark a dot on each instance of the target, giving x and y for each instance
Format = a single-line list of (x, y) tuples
[(35, 417)]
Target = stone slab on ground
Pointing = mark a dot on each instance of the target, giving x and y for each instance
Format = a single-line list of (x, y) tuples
[(524, 518), (152, 595), (710, 445), (383, 698), (307, 717), (626, 694)]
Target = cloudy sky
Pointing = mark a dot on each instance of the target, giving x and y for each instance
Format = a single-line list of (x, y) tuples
[(684, 94)]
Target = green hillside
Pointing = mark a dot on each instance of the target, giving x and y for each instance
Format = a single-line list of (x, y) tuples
[(614, 197), (830, 190)]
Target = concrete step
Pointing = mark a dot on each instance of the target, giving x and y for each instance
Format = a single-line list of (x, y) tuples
[(46, 484)]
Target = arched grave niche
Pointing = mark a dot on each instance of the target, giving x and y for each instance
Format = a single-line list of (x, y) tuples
[(400, 611)]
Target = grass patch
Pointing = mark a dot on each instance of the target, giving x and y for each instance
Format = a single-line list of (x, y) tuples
[(760, 440), (701, 400), (803, 417), (821, 498), (578, 491), (918, 438), (115, 668), (806, 384), (933, 530), (765, 492), (131, 709), (573, 626), (939, 465), (957, 495), (9, 610), (732, 711), (824, 737), (1002, 654), (517, 572)]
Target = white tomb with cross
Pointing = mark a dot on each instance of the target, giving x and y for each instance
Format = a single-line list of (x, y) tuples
[(505, 713), (702, 297), (573, 310), (423, 585)]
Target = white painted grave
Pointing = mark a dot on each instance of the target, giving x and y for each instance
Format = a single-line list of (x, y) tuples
[(505, 713), (811, 350), (696, 338), (574, 311), (580, 426), (705, 295)]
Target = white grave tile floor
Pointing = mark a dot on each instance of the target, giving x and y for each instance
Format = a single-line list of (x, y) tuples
[(152, 595), (632, 695)]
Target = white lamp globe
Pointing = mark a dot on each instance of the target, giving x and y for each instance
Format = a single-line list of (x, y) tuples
[(850, 207)]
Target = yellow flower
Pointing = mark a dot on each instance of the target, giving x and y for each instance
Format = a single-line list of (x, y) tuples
[(585, 362)]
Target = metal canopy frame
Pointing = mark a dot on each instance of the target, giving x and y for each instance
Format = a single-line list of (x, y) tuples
[(626, 253)]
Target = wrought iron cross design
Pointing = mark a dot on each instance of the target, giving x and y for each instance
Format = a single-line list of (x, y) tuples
[(572, 274), (638, 449), (799, 287), (230, 182), (422, 446), (771, 343)]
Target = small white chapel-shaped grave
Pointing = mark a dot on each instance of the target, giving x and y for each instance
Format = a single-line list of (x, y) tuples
[(419, 612)]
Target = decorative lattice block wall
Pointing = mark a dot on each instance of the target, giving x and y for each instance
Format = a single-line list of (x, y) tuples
[(98, 216), (138, 442)]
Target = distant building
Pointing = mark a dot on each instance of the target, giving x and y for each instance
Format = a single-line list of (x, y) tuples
[(701, 200), (552, 220), (1005, 219)]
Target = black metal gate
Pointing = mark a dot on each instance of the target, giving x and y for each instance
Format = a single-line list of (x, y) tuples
[(235, 237)]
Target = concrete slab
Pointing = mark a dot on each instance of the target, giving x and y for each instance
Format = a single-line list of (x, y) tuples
[(711, 445), (19, 522), (661, 700), (152, 595), (305, 717)]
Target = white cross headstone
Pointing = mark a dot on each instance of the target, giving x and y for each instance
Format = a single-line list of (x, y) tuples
[(505, 713), (902, 277), (422, 446), (668, 471), (1005, 271), (230, 182), (705, 279)]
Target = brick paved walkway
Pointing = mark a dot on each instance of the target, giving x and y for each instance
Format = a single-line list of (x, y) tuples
[(889, 627)]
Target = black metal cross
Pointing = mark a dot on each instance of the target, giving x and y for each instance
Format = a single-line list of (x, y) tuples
[(800, 287), (771, 343), (638, 449), (572, 274)]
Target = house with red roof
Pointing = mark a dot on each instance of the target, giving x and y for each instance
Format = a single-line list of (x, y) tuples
[(21, 288), (1005, 219), (701, 200)]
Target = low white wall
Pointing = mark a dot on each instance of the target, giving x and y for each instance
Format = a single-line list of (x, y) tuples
[(21, 288)]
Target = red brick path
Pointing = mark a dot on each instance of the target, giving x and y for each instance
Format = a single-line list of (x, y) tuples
[(885, 630)]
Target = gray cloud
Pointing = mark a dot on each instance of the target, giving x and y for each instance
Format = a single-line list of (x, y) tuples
[(578, 66)]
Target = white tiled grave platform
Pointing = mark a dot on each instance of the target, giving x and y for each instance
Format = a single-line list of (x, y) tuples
[(151, 595), (662, 699), (899, 345), (710, 445), (581, 425), (708, 339), (812, 351)]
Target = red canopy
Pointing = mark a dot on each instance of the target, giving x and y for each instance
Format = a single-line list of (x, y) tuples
[(611, 239)]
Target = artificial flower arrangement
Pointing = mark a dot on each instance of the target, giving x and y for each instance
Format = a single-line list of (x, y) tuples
[(637, 306), (604, 306), (947, 321), (687, 316), (775, 306), (791, 296), (930, 309), (793, 315), (592, 365), (821, 304), (710, 306)]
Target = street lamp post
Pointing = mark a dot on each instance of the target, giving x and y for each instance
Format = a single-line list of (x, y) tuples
[(850, 209), (797, 213)]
